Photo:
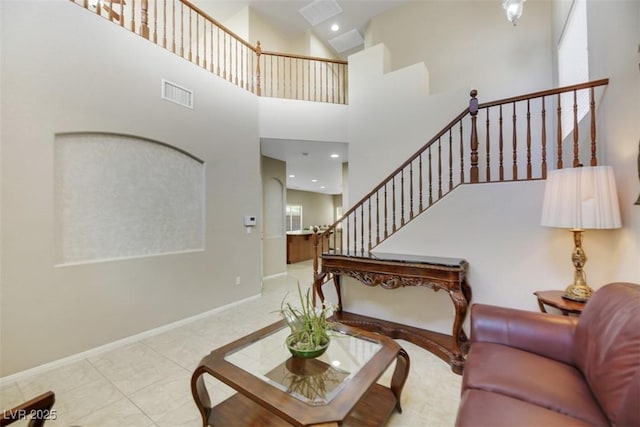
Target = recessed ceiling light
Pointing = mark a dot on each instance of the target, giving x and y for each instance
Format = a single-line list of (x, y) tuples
[(335, 156), (335, 27), (314, 180), (292, 176), (322, 187)]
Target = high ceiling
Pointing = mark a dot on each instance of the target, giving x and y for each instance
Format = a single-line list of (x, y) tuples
[(316, 170), (286, 16)]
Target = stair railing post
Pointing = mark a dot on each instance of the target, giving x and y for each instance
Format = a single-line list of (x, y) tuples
[(473, 111), (258, 53), (315, 251), (314, 240)]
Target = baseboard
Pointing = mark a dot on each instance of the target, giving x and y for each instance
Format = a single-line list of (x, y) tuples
[(273, 276), (115, 344)]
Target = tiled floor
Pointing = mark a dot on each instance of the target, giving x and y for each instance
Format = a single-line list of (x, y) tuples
[(147, 383)]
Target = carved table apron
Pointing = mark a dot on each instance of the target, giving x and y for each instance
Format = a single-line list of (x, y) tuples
[(393, 271)]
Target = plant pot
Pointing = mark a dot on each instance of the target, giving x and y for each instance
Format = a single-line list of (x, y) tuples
[(305, 354)]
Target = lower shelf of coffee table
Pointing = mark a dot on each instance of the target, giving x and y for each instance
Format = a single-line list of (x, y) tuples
[(372, 411)]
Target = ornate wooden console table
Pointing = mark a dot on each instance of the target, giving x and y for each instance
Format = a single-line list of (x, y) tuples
[(393, 271)]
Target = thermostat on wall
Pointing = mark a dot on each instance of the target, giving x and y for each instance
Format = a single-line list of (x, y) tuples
[(250, 221)]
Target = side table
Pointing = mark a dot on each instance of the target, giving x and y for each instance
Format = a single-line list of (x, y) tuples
[(554, 299)]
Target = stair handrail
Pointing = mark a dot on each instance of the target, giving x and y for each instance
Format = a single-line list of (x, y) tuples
[(472, 111)]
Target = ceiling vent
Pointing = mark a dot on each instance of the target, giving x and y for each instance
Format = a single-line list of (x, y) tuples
[(175, 93), (347, 41), (319, 11)]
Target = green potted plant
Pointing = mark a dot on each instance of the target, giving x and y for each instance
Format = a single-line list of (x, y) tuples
[(309, 326)]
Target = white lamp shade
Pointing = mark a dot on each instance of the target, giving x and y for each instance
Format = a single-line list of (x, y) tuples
[(581, 198)]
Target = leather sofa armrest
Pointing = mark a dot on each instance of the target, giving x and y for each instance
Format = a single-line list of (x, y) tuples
[(545, 334)]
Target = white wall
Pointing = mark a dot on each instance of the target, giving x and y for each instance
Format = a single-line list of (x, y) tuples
[(66, 70), (310, 121), (271, 38), (495, 227), (391, 116), (470, 44), (614, 54)]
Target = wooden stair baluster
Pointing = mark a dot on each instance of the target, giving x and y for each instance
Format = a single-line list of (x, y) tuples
[(386, 228), (430, 176), (411, 191), (393, 203), (488, 150), (377, 217), (450, 160), (421, 205), (592, 108), (576, 148), (528, 140), (402, 198), (133, 17), (439, 168), (501, 147), (543, 142), (559, 164), (155, 21), (461, 154), (515, 145), (369, 246)]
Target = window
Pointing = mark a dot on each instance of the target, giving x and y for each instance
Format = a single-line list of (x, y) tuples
[(294, 217)]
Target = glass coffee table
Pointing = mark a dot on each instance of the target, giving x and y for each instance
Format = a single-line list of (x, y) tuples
[(276, 389)]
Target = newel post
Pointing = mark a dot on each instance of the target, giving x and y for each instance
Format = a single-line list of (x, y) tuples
[(258, 53), (473, 110)]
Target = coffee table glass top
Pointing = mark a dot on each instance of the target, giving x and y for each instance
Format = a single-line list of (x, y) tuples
[(312, 381)]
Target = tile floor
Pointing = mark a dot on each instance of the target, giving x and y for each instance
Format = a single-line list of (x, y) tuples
[(147, 383)]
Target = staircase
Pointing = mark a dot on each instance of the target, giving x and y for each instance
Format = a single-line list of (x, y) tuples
[(512, 142)]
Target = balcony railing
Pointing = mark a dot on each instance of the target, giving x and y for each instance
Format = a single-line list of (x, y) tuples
[(184, 29)]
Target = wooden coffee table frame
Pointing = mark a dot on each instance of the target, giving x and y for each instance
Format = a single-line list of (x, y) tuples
[(257, 402)]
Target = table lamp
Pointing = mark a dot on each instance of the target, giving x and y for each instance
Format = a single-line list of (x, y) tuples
[(577, 199)]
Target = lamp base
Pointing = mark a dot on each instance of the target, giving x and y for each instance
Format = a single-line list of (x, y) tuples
[(578, 292)]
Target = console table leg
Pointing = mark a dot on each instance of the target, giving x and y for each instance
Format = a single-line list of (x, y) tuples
[(317, 289), (461, 304), (338, 286)]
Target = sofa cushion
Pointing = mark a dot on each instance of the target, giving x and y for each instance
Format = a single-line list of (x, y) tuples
[(607, 350), (479, 408), (531, 378)]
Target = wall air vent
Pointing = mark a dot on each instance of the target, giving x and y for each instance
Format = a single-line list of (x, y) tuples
[(346, 41), (178, 94)]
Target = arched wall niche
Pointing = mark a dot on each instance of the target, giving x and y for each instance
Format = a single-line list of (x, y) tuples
[(121, 196)]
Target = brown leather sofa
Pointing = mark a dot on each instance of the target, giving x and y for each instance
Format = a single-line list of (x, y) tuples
[(535, 369)]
